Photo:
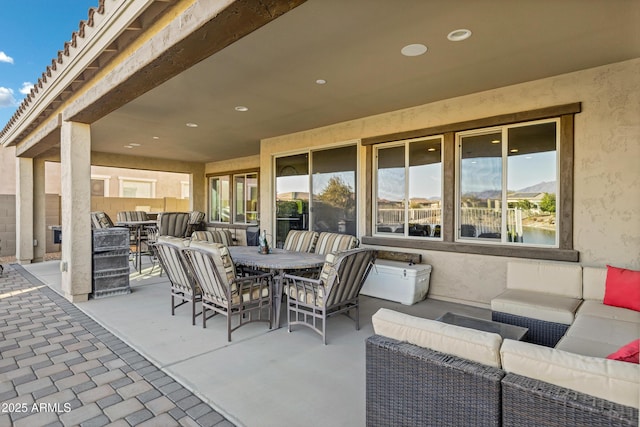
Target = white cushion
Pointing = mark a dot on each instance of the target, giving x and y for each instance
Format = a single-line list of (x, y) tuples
[(593, 283), (586, 346), (597, 309), (614, 332), (478, 346), (546, 277), (536, 305), (607, 379)]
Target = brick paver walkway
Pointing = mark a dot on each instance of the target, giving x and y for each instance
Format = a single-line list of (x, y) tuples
[(59, 367)]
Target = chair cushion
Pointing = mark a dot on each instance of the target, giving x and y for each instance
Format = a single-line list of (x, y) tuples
[(546, 277), (132, 216), (214, 236), (300, 241), (329, 267), (536, 305), (607, 379), (479, 346), (175, 241), (622, 288), (307, 295), (334, 242), (222, 257), (100, 220)]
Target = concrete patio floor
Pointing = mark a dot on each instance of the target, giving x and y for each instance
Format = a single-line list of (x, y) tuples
[(263, 377)]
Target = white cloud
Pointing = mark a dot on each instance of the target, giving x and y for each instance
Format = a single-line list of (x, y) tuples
[(5, 58), (6, 97), (26, 88)]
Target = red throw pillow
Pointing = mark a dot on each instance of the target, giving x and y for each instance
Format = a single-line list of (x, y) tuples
[(628, 353), (622, 288)]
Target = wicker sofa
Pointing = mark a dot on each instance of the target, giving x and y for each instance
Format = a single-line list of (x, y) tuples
[(416, 374)]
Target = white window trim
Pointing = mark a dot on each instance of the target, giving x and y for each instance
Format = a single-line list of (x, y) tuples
[(122, 179), (182, 194)]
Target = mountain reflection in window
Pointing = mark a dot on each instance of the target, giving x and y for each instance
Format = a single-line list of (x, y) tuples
[(514, 167)]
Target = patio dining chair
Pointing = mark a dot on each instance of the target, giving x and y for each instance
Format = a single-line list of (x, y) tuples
[(224, 292), (311, 301), (300, 241), (173, 224), (183, 286), (196, 222)]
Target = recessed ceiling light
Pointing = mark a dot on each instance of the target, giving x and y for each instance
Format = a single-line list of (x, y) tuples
[(459, 35), (134, 144), (241, 108), (155, 137), (495, 141), (128, 146), (431, 149), (413, 49), (514, 150), (321, 82), (192, 125)]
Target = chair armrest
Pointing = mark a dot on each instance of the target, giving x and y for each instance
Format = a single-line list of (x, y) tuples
[(317, 282)]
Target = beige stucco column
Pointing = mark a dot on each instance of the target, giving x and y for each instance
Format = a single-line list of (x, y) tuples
[(75, 159), (24, 210), (39, 211), (198, 188)]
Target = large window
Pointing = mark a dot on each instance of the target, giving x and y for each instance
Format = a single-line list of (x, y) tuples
[(409, 189), (245, 197), (234, 198), (316, 191), (507, 184)]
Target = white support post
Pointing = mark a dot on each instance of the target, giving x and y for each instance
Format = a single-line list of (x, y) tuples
[(75, 156), (24, 210)]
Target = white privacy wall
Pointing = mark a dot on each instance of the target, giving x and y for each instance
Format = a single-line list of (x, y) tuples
[(607, 167)]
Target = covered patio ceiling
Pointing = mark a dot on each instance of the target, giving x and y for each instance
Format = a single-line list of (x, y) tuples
[(355, 46)]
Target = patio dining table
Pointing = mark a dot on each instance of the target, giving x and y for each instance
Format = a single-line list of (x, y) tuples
[(137, 227), (278, 261)]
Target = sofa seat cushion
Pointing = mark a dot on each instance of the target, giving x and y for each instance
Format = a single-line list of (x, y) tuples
[(478, 346), (612, 380), (536, 305), (597, 309), (598, 336), (585, 346)]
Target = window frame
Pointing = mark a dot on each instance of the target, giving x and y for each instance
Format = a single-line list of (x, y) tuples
[(309, 152), (564, 252), (504, 131), (374, 205), (231, 175)]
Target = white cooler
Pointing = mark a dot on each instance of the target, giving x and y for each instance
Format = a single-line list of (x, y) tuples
[(398, 281)]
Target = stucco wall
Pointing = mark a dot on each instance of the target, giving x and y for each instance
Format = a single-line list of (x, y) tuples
[(607, 176), (7, 170)]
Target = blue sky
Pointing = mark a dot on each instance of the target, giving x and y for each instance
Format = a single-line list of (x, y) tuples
[(31, 34)]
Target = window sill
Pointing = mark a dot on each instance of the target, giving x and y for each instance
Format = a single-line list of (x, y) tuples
[(552, 254)]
